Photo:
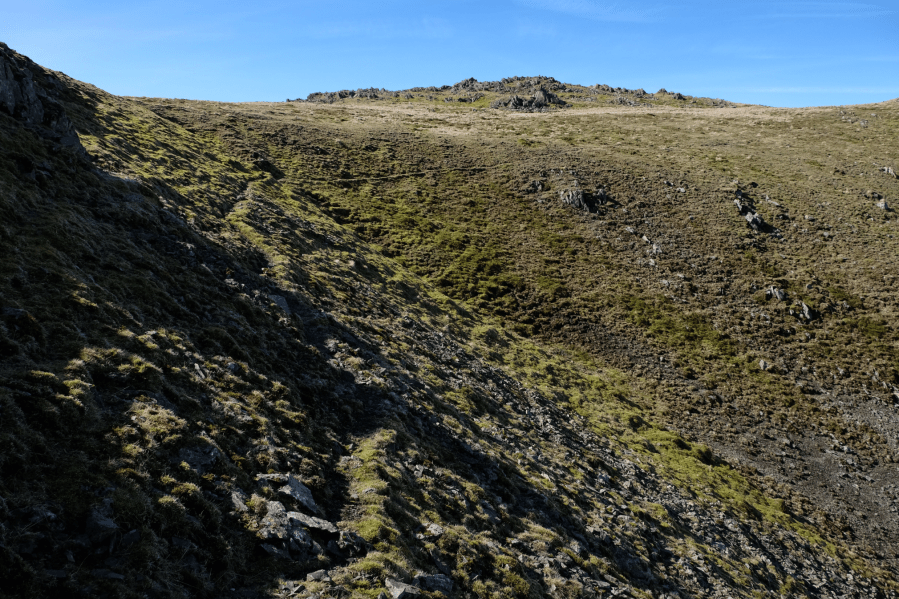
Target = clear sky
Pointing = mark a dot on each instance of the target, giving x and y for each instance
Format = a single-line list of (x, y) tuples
[(782, 53)]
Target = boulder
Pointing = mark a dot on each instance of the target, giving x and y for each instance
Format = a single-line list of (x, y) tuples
[(437, 583), (351, 544), (755, 221), (100, 525), (200, 459), (401, 590), (281, 529), (238, 501), (318, 576), (807, 313), (576, 198), (294, 489), (312, 522), (776, 293)]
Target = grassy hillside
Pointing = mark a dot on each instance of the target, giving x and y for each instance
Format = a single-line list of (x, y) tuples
[(336, 348)]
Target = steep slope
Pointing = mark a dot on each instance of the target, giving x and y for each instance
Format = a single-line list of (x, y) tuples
[(241, 357), (746, 277)]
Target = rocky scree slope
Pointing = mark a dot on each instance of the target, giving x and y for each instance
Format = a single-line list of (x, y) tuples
[(210, 387)]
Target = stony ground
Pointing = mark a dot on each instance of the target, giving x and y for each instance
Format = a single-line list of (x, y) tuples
[(588, 342)]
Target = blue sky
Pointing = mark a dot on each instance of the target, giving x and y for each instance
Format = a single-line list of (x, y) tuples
[(775, 53)]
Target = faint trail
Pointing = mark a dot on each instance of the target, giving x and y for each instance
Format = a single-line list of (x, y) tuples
[(415, 174)]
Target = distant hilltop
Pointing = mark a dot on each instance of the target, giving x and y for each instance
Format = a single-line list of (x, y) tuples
[(529, 94)]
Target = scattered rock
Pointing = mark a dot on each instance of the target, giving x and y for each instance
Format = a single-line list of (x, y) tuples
[(776, 293), (755, 221), (312, 522), (281, 302), (294, 489), (883, 205), (100, 526), (437, 583), (130, 539), (283, 530), (764, 365), (238, 500), (275, 551), (807, 313), (318, 576), (576, 198), (200, 459), (401, 590), (541, 100), (107, 574)]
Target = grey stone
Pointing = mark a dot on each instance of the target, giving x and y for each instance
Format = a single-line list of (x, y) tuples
[(280, 301), (439, 562), (56, 573), (318, 576), (576, 198), (764, 365), (437, 583), (294, 489), (280, 526), (883, 205), (400, 590), (312, 522), (199, 458), (434, 530), (130, 539), (108, 574), (100, 526), (807, 312), (274, 551), (237, 500), (755, 221), (351, 544), (776, 293)]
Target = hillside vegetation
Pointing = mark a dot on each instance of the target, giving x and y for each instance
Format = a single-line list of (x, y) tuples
[(548, 341)]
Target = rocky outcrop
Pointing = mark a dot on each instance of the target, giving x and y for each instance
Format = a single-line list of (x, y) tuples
[(27, 95), (541, 100)]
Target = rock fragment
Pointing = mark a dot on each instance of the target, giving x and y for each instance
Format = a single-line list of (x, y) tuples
[(401, 590), (776, 293), (318, 576), (100, 525), (755, 221), (312, 522), (437, 583), (293, 489)]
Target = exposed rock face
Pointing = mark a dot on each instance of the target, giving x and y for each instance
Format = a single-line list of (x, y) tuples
[(541, 100), (31, 102)]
